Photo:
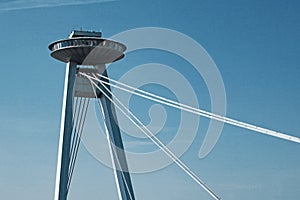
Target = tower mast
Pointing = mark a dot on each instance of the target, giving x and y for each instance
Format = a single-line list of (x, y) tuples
[(88, 48)]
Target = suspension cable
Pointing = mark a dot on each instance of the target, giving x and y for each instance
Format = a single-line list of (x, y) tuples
[(154, 139), (196, 111), (75, 122), (112, 148), (75, 134), (78, 130), (75, 109)]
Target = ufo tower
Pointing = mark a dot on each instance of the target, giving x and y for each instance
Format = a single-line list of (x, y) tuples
[(82, 49)]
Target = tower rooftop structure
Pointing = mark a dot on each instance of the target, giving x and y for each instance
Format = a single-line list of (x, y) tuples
[(87, 48)]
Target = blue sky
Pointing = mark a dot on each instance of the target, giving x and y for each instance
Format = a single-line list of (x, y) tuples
[(255, 45)]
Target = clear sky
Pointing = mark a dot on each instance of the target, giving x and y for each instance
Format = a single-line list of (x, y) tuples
[(255, 45)]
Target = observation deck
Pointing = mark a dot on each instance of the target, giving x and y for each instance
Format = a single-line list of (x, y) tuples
[(87, 48)]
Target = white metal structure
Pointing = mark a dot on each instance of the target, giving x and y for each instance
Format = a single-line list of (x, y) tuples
[(85, 48)]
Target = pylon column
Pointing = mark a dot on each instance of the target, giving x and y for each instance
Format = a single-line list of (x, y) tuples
[(119, 162), (63, 157)]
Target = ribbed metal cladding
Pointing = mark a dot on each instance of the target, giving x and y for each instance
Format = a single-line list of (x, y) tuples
[(87, 51)]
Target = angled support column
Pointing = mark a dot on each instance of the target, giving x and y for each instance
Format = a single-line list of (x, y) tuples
[(63, 157), (122, 176)]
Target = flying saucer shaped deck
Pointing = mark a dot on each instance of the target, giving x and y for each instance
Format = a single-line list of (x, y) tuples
[(87, 50)]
